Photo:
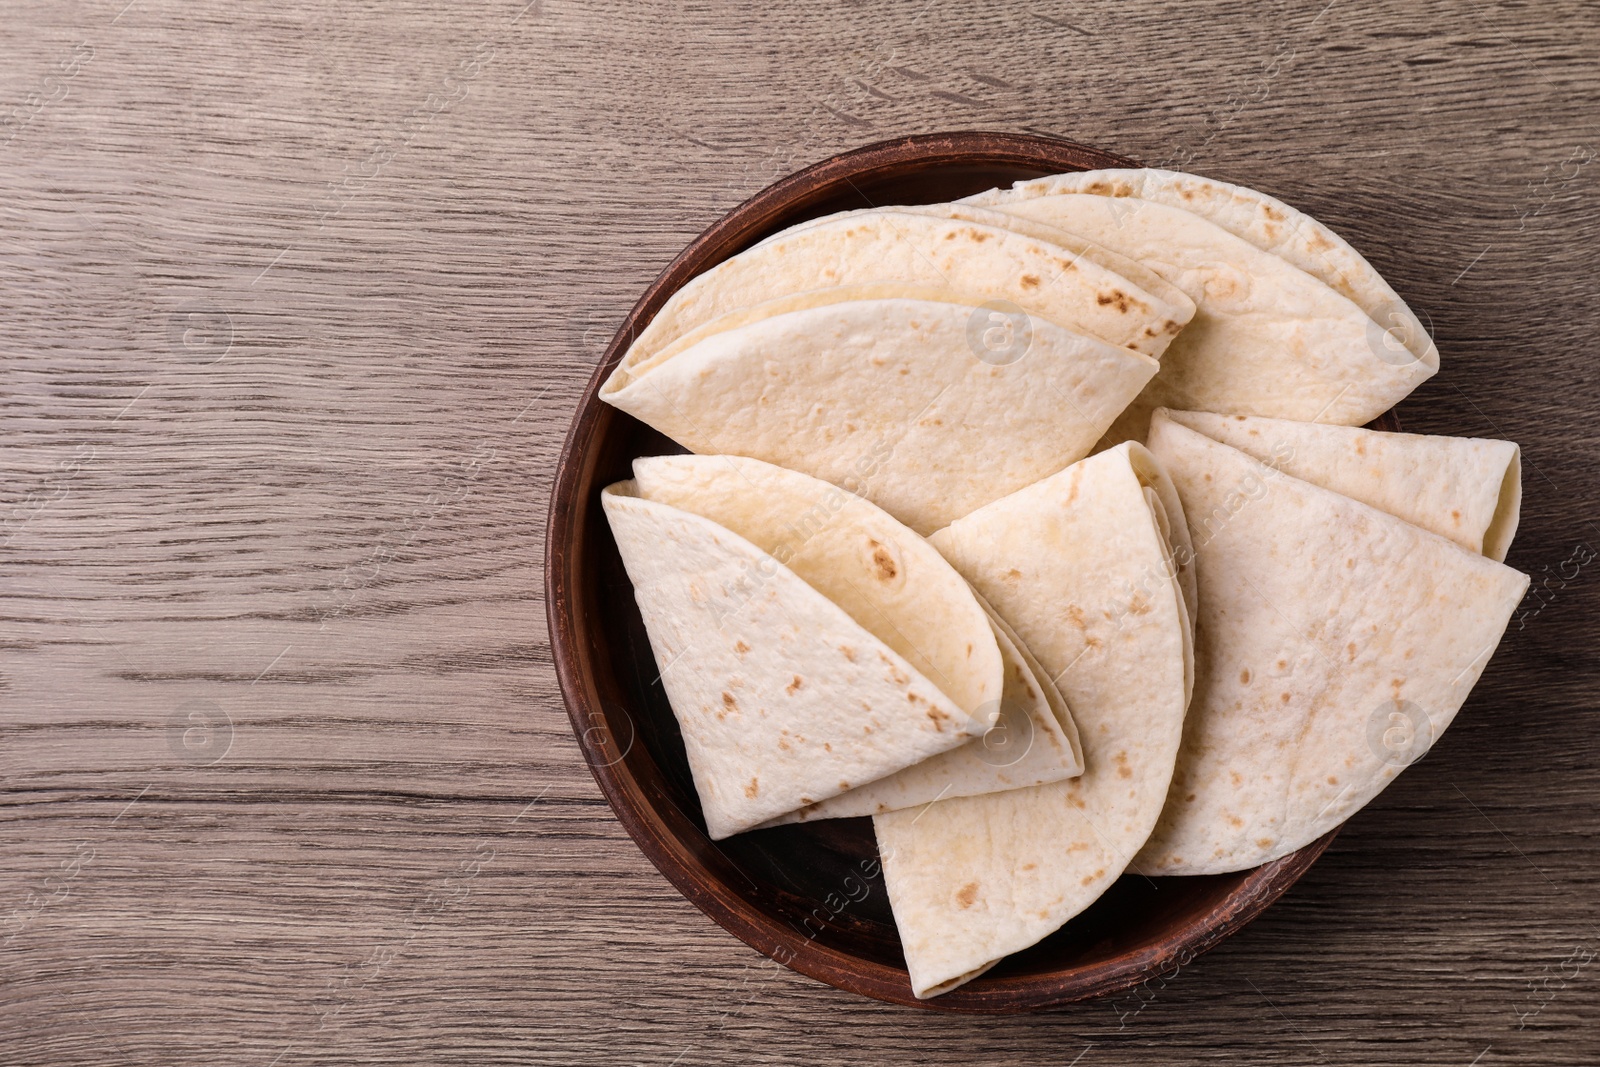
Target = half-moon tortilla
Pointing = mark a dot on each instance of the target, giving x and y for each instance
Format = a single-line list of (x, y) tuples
[(985, 262), (1266, 338), (1273, 226), (1080, 565), (1335, 642), (1131, 269), (885, 576), (927, 407), (782, 698), (1468, 489)]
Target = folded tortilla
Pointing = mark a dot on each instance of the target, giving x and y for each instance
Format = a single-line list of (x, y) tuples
[(1033, 742), (1081, 566), (902, 400), (782, 698), (985, 263), (1273, 226), (1468, 489), (1080, 249), (885, 577), (1266, 338), (1335, 642)]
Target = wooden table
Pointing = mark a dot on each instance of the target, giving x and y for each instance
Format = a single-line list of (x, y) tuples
[(297, 299)]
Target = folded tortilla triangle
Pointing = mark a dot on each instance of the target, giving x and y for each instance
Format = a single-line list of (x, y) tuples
[(1034, 741), (929, 408), (885, 576), (1079, 248), (1273, 226), (1335, 642), (1267, 338), (984, 262), (1081, 567), (782, 698), (1468, 489)]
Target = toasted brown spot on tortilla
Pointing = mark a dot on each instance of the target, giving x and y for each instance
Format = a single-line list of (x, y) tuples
[(795, 686), (752, 789), (1244, 676), (1234, 820), (882, 561), (1283, 664), (1350, 650), (1238, 780), (1284, 697), (1332, 780), (728, 701), (1273, 213), (849, 653), (938, 718), (1456, 515), (1190, 797), (968, 895), (1125, 771), (1361, 447), (1264, 842), (1030, 281), (843, 784), (783, 744), (827, 746), (1122, 300), (1029, 866), (979, 236), (740, 647), (1139, 605)]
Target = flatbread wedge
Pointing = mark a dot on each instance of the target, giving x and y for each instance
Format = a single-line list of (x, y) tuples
[(885, 576), (1335, 642), (1079, 249), (1273, 226), (984, 262), (781, 697), (1468, 489), (898, 399), (1080, 564), (1266, 338)]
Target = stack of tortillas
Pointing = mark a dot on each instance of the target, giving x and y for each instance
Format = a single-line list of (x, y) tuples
[(1040, 528)]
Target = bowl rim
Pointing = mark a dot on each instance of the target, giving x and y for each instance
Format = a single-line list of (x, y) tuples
[(657, 832)]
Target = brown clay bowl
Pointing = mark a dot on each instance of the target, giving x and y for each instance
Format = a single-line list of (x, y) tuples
[(810, 896)]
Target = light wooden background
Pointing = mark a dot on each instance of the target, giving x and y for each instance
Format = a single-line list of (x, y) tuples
[(295, 302)]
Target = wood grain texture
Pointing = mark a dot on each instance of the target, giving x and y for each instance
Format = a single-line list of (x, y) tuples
[(296, 302)]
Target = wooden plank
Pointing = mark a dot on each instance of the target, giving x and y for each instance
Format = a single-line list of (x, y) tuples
[(298, 299)]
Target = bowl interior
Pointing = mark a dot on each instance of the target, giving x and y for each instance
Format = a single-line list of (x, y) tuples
[(812, 895)]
